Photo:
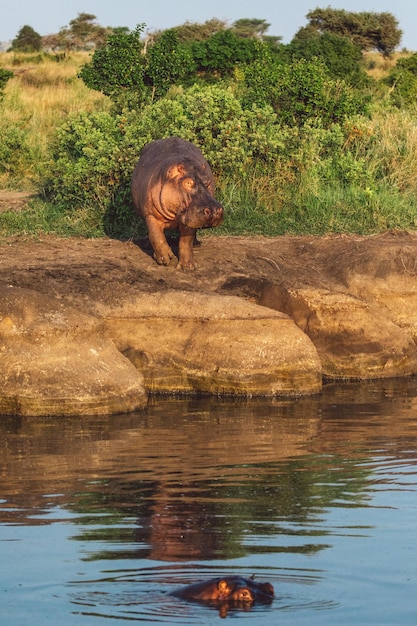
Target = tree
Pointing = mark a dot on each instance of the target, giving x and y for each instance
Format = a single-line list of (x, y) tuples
[(246, 27), (368, 30), (193, 31), (300, 92), (83, 33), (27, 40)]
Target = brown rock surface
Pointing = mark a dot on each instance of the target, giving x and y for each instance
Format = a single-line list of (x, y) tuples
[(54, 361), (354, 297)]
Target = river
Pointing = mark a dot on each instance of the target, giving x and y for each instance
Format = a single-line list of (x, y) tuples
[(102, 517)]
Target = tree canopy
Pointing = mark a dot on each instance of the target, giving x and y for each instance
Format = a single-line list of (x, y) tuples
[(367, 30), (27, 40)]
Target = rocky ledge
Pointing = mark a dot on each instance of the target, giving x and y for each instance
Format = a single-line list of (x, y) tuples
[(94, 326)]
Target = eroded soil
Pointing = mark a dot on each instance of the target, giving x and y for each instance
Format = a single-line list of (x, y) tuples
[(78, 270)]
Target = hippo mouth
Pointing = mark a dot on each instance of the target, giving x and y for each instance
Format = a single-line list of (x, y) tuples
[(207, 218)]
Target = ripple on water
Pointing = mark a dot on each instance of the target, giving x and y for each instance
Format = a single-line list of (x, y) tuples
[(144, 594)]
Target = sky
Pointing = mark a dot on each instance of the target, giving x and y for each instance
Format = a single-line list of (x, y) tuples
[(284, 16)]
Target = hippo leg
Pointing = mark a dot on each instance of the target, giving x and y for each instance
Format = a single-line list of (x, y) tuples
[(185, 247), (161, 250)]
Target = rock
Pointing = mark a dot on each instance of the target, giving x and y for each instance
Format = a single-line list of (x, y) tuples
[(353, 297), (353, 337), (53, 361), (186, 342)]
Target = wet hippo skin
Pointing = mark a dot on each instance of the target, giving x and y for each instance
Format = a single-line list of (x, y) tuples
[(229, 589)]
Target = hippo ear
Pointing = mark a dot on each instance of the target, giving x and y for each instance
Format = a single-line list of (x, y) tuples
[(176, 171), (223, 587)]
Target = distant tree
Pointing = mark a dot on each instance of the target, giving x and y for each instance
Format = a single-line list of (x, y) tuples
[(250, 27), (368, 30), (193, 31), (83, 33), (27, 40)]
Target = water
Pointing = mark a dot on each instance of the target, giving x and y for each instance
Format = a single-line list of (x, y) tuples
[(100, 518)]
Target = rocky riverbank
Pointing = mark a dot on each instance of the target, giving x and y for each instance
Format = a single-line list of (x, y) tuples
[(94, 326)]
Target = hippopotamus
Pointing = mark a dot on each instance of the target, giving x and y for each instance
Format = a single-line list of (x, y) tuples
[(172, 187), (232, 590)]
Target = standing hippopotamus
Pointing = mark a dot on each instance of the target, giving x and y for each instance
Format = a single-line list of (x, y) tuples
[(233, 590), (172, 187)]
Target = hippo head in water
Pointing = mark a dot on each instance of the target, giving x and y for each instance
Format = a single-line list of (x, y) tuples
[(228, 592), (173, 188)]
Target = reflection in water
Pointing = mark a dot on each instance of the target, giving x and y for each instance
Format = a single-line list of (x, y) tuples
[(197, 488)]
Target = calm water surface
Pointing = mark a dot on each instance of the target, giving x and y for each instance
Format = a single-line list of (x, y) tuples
[(100, 518)]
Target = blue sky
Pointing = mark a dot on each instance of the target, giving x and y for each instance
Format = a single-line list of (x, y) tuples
[(285, 16)]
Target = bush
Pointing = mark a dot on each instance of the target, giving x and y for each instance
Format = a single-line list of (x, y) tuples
[(13, 150), (342, 58), (403, 82), (117, 69), (5, 75), (301, 92), (95, 155)]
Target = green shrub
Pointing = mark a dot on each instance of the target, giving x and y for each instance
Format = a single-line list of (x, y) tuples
[(5, 75), (95, 155), (342, 58), (13, 149), (117, 69), (301, 92), (403, 82)]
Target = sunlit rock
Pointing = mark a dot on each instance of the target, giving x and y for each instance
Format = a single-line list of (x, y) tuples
[(54, 361), (192, 342), (354, 338)]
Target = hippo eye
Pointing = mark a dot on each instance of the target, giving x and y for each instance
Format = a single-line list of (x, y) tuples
[(188, 183), (244, 595)]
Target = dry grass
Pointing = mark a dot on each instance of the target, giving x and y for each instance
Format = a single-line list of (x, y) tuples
[(377, 66), (42, 94)]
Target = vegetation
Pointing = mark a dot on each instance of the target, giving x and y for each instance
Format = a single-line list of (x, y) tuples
[(27, 40), (367, 30), (311, 137)]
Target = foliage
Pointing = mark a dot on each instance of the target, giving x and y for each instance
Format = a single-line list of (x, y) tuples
[(342, 58), (222, 52), (5, 75), (27, 40), (301, 91), (367, 30), (193, 31), (117, 69), (167, 62), (121, 69), (403, 81)]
